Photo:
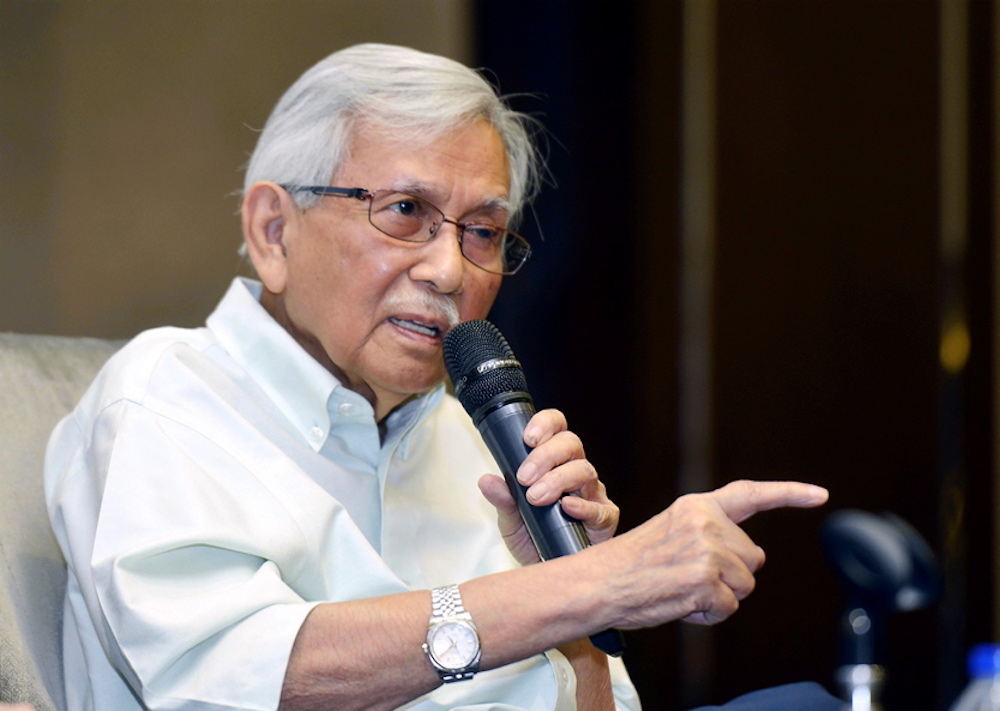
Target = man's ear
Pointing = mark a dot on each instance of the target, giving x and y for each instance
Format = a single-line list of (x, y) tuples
[(265, 212)]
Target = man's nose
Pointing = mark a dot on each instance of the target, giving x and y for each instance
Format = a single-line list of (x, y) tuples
[(441, 262)]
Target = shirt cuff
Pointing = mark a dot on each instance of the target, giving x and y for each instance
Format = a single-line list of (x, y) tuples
[(565, 678)]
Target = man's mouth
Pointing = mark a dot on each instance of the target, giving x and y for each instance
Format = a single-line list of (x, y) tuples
[(417, 327)]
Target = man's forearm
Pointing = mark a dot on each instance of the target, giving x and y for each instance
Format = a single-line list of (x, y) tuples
[(367, 653), (363, 654), (691, 561)]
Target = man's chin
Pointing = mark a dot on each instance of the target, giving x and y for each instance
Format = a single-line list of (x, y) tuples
[(403, 387)]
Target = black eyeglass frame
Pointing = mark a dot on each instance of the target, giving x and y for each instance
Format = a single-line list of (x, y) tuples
[(363, 195)]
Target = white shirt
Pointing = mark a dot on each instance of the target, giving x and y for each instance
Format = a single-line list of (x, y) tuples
[(214, 484)]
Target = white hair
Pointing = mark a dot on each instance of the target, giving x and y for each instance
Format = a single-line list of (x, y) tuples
[(415, 95)]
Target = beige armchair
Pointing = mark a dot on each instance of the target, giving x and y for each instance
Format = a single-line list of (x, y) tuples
[(41, 378)]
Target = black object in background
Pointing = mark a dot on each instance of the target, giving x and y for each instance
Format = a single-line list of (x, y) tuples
[(885, 566)]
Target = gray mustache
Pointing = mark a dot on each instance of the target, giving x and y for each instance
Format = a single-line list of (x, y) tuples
[(423, 302)]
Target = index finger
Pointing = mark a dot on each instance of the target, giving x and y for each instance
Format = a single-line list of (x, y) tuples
[(740, 500)]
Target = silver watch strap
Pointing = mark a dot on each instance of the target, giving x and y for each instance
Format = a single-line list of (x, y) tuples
[(446, 602)]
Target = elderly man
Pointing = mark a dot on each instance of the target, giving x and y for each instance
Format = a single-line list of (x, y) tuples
[(278, 510)]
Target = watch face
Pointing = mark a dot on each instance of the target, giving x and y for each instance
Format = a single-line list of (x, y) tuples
[(454, 645)]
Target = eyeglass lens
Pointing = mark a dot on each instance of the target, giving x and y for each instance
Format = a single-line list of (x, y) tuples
[(410, 218)]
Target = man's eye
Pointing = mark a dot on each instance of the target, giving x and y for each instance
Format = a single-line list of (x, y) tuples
[(406, 208), (484, 232)]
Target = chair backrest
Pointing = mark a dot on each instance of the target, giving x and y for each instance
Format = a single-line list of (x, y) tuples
[(41, 379)]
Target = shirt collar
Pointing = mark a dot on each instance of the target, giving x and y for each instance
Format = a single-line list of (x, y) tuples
[(404, 420), (292, 378)]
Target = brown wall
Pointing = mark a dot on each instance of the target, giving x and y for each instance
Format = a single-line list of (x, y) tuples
[(123, 129), (847, 162)]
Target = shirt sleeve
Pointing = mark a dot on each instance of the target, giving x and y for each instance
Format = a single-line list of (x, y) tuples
[(183, 582)]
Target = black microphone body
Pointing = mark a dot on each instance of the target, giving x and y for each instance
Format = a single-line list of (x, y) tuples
[(553, 531), (490, 385)]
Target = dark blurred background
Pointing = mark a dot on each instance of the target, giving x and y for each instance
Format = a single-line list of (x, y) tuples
[(767, 252)]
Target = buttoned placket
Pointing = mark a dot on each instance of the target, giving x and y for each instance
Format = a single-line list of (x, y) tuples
[(354, 432)]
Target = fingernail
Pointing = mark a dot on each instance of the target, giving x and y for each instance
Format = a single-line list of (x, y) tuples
[(538, 492), (531, 436), (527, 473), (818, 494)]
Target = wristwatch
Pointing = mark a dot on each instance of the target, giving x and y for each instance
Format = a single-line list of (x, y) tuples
[(452, 638)]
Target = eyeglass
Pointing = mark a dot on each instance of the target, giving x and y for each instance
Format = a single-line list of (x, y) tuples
[(413, 219)]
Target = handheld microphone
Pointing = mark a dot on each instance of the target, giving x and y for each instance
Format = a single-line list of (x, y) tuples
[(490, 384)]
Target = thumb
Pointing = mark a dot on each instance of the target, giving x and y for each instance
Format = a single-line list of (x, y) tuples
[(496, 492), (740, 500)]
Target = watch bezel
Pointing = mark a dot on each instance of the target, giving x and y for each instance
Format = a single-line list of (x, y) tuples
[(435, 629)]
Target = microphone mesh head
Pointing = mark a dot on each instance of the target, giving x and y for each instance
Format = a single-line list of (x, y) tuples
[(471, 344)]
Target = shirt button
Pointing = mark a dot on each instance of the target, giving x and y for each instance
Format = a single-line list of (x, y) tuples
[(345, 408), (316, 433)]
